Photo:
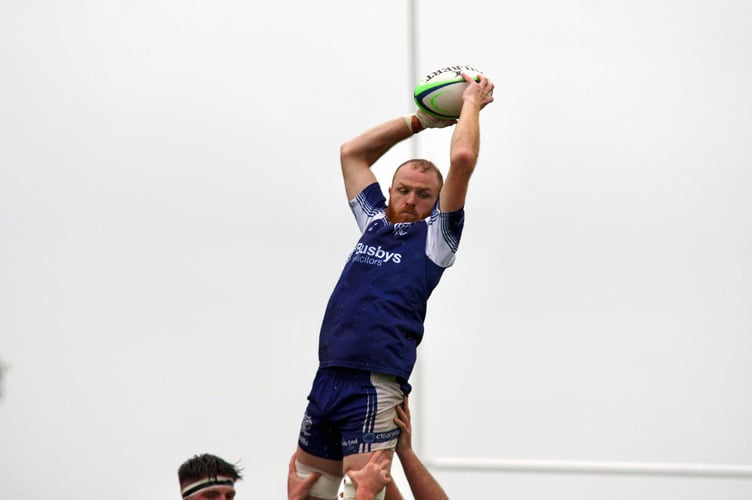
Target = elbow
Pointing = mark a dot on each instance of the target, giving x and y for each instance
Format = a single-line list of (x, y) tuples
[(345, 151), (349, 152), (464, 159)]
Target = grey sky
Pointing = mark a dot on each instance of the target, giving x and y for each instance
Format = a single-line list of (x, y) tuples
[(172, 220)]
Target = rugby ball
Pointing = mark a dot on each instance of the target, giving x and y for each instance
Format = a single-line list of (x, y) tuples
[(439, 93)]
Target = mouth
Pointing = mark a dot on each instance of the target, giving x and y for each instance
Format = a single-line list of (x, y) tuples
[(408, 216)]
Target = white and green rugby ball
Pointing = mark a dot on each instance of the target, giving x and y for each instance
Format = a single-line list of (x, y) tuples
[(439, 93)]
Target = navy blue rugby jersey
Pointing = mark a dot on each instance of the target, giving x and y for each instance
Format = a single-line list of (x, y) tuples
[(374, 318)]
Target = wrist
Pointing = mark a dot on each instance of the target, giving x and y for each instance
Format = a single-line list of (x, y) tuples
[(365, 492), (413, 123)]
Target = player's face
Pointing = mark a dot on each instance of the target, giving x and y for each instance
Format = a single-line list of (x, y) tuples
[(412, 194), (215, 493)]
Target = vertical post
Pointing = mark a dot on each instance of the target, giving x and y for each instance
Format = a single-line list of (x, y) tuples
[(412, 60), (412, 74)]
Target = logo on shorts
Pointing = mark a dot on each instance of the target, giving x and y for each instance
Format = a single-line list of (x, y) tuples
[(305, 427), (380, 437)]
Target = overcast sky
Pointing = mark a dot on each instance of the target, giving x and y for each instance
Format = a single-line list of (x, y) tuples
[(172, 220)]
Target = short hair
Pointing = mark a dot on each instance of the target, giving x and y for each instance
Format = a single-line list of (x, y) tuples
[(206, 465), (423, 166)]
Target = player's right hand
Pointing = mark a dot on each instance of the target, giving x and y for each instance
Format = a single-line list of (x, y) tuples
[(429, 121)]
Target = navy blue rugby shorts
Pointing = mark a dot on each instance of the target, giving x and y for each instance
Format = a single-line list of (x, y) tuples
[(350, 412)]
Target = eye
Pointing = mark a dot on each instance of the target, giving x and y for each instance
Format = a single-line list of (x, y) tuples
[(403, 190)]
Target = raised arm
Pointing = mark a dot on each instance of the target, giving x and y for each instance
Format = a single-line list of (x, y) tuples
[(422, 483), (357, 155), (465, 145)]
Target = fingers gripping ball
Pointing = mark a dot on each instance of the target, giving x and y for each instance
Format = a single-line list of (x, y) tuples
[(439, 93)]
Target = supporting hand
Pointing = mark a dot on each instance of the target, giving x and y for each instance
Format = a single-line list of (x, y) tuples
[(297, 486)]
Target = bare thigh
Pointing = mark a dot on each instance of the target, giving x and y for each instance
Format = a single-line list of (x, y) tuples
[(333, 467)]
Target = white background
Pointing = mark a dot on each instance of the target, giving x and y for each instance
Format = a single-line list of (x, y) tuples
[(172, 220)]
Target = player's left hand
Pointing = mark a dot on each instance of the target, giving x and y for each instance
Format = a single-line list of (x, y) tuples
[(481, 90)]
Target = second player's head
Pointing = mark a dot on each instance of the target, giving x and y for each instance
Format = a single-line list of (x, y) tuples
[(208, 476)]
